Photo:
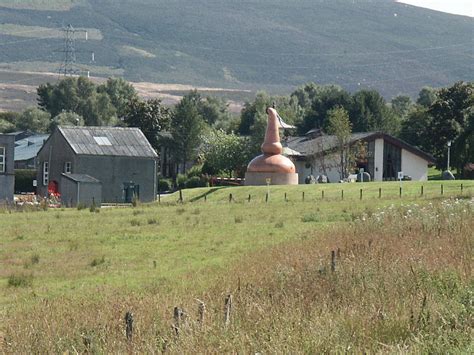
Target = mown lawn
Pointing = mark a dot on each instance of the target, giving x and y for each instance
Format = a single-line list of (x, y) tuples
[(88, 268)]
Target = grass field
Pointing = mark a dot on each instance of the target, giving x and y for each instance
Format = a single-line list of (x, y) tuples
[(402, 282)]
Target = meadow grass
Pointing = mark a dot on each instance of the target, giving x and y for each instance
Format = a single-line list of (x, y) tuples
[(402, 281)]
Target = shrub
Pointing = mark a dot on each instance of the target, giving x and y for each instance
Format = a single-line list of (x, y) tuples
[(20, 280), (164, 185), (181, 181), (135, 222), (152, 221), (194, 181), (196, 170)]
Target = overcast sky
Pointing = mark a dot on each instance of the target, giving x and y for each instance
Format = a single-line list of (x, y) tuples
[(459, 7)]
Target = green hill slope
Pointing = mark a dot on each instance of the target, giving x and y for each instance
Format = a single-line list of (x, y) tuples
[(264, 44)]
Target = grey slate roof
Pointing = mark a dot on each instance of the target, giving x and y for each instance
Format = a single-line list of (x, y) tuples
[(81, 178), (124, 141), (28, 148), (306, 145)]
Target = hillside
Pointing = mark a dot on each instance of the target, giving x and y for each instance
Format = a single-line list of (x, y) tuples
[(273, 45)]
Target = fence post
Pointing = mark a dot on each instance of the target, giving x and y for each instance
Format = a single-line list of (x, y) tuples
[(177, 316), (333, 261), (400, 192), (442, 189), (266, 197), (201, 311), (342, 194), (462, 188), (205, 197), (129, 325), (286, 200), (227, 310), (249, 197), (180, 196), (230, 198), (303, 195), (322, 194), (361, 194), (380, 192), (421, 190)]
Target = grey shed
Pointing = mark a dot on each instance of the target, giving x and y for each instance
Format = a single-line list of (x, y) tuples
[(80, 189), (120, 158)]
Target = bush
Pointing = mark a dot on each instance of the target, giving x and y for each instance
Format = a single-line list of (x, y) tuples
[(164, 185), (181, 181), (196, 170), (24, 180), (194, 181)]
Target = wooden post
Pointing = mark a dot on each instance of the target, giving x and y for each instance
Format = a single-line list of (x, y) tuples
[(342, 194), (442, 189), (250, 197), (322, 194), (380, 192), (178, 317), (129, 325), (400, 191), (230, 198), (201, 311), (205, 197), (333, 261), (302, 195), (421, 190), (227, 310), (159, 196), (462, 188), (180, 196), (285, 198), (266, 197), (361, 194)]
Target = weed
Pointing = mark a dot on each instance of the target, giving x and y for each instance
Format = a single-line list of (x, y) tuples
[(20, 280), (311, 217), (135, 223), (152, 221), (279, 224), (81, 206), (97, 261), (238, 219), (35, 258)]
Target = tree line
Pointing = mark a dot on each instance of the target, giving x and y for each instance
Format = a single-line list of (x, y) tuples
[(202, 128)]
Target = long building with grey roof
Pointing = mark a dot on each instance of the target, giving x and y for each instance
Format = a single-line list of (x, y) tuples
[(119, 159)]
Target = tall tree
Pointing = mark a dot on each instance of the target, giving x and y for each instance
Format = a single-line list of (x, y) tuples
[(401, 105), (340, 126), (323, 100), (150, 116), (427, 96), (414, 128), (450, 115), (186, 127), (33, 119), (120, 92), (369, 112)]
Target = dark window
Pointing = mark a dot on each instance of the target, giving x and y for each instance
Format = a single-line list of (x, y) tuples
[(2, 159), (392, 161)]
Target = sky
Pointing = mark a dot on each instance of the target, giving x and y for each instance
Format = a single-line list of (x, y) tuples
[(458, 7)]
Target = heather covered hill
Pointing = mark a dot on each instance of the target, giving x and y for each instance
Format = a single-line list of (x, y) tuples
[(273, 45)]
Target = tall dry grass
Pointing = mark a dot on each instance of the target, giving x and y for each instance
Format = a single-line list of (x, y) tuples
[(403, 283)]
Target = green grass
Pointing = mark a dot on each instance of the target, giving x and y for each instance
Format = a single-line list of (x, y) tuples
[(75, 273)]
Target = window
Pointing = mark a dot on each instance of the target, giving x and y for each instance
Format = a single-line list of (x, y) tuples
[(102, 141), (67, 167), (2, 159), (45, 173)]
